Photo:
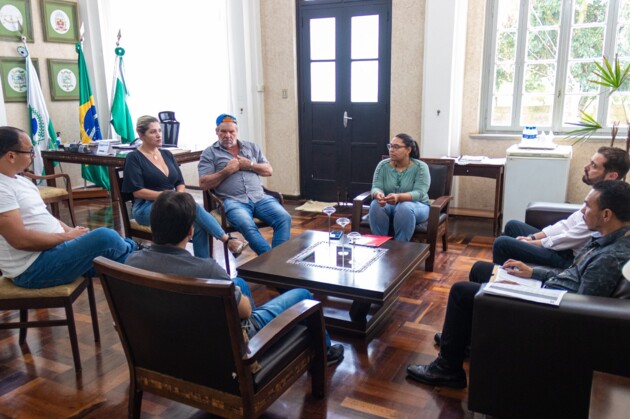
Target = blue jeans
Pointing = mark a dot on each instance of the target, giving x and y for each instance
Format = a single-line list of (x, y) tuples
[(402, 216), (67, 261), (272, 309), (205, 225), (269, 210), (507, 247)]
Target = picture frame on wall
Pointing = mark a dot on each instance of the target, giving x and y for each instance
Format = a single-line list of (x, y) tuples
[(64, 79), (12, 14), (14, 83), (60, 21)]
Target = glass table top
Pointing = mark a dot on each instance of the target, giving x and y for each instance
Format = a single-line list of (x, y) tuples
[(335, 256)]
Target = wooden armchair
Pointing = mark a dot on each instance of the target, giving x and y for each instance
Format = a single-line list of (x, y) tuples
[(436, 227), (131, 228), (214, 205), (183, 340), (52, 195)]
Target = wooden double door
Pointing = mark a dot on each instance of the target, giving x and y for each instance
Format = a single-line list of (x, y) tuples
[(344, 86)]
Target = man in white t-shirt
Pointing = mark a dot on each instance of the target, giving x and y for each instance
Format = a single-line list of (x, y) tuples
[(556, 245), (36, 249)]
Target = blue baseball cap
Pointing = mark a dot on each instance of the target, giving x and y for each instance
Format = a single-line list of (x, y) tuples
[(224, 117)]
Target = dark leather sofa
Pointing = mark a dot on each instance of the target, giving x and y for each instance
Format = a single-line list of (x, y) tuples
[(536, 361)]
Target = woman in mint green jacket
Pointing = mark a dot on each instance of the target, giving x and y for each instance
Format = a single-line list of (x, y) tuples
[(399, 189)]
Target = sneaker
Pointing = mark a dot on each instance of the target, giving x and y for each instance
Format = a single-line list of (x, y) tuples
[(334, 354)]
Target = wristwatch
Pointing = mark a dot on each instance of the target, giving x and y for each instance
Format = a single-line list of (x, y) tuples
[(532, 236), (251, 164)]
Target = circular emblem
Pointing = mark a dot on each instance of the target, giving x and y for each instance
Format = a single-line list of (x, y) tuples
[(60, 21), (66, 80), (17, 79), (11, 18)]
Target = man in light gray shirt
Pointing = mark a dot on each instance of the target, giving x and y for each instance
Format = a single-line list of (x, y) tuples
[(231, 168)]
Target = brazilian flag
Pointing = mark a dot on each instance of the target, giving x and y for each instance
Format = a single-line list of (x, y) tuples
[(88, 123)]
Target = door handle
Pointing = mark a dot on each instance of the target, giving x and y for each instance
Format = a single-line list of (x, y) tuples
[(345, 119)]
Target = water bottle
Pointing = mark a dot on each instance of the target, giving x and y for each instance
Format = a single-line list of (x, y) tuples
[(58, 140)]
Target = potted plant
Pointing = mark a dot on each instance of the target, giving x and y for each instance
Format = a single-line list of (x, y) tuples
[(612, 77)]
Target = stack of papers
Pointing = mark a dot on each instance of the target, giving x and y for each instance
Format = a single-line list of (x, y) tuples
[(507, 285)]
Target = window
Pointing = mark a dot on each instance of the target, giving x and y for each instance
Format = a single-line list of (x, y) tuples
[(177, 59), (539, 68)]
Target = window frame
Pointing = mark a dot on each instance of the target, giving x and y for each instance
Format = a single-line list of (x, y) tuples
[(562, 65)]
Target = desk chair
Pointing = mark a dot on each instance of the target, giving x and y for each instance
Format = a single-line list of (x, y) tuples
[(183, 340), (436, 226), (13, 297), (52, 195)]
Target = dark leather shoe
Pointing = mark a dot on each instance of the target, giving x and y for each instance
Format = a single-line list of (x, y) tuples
[(438, 341), (436, 374)]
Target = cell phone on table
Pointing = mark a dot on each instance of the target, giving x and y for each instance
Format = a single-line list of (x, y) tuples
[(336, 234)]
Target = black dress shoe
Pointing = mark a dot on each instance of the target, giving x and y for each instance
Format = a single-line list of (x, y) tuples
[(438, 341), (437, 374)]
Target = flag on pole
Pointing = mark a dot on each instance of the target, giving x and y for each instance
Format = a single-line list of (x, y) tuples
[(42, 131), (121, 117), (88, 123)]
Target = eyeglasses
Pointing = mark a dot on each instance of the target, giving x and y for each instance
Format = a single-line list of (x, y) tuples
[(31, 152), (395, 147)]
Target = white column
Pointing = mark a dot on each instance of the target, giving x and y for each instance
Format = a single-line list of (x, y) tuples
[(444, 63), (246, 81)]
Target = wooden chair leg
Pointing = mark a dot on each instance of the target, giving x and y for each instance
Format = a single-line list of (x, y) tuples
[(135, 401), (24, 329), (71, 210), (226, 252), (428, 265), (72, 331), (93, 312)]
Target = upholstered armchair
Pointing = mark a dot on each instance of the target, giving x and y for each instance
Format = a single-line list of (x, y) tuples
[(183, 340), (436, 227)]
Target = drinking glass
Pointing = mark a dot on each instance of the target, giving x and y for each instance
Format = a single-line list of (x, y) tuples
[(329, 211), (343, 222), (353, 237)]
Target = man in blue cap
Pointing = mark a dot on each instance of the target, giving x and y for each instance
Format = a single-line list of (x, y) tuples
[(231, 167)]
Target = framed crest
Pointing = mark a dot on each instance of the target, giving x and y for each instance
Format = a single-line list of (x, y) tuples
[(59, 20), (14, 83), (14, 13), (63, 76)]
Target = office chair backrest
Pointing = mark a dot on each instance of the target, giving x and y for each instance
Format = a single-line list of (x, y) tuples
[(170, 128)]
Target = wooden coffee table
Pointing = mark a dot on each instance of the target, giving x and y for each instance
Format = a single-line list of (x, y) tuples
[(355, 303)]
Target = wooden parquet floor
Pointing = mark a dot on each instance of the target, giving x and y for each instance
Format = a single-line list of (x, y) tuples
[(37, 380)]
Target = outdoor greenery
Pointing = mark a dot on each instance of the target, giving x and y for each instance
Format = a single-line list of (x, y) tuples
[(557, 65)]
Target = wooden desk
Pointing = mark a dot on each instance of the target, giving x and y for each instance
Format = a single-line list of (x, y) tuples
[(111, 162), (491, 171)]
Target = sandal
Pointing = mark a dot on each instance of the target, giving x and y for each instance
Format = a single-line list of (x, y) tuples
[(237, 252)]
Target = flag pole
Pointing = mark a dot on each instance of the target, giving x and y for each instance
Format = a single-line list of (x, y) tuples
[(113, 92)]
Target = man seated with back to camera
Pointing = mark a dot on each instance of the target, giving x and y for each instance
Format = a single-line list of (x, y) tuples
[(172, 226), (556, 245), (597, 270)]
